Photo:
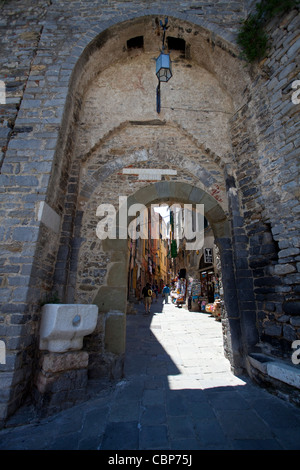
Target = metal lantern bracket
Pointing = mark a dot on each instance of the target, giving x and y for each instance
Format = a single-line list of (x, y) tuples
[(163, 67)]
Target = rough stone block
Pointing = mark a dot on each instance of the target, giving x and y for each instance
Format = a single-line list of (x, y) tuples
[(292, 308), (63, 381), (245, 284), (295, 321), (144, 195), (25, 234), (117, 274), (49, 217), (273, 329), (115, 326), (284, 373), (282, 269), (57, 362), (289, 333), (259, 361), (288, 252), (196, 196), (69, 380), (109, 298)]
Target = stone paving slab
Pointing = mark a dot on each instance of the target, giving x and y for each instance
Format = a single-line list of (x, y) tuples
[(178, 393)]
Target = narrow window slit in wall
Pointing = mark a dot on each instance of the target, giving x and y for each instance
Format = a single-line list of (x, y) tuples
[(135, 43)]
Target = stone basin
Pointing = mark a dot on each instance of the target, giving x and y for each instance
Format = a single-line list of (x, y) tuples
[(63, 326)]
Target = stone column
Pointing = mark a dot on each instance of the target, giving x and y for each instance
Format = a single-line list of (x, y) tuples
[(231, 320), (61, 380), (62, 375)]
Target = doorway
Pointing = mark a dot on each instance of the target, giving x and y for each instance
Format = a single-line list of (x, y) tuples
[(112, 296)]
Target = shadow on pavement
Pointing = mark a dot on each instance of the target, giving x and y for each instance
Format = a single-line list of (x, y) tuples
[(177, 393)]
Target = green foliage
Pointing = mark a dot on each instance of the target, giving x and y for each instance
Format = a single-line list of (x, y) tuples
[(252, 37)]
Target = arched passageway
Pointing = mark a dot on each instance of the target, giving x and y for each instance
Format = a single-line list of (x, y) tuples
[(208, 139), (187, 152), (108, 342)]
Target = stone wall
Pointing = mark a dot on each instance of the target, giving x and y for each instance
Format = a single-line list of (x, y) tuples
[(282, 68), (21, 28), (54, 57), (272, 142)]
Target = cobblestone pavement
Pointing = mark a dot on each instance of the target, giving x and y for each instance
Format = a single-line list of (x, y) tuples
[(178, 393)]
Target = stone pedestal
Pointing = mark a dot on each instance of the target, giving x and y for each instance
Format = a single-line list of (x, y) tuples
[(62, 376), (61, 380)]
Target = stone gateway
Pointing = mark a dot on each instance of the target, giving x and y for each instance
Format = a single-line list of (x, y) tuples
[(79, 128)]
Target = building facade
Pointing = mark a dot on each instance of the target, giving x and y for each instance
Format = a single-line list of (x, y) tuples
[(148, 257)]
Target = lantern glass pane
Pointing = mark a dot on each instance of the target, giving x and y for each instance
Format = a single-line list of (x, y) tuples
[(163, 67)]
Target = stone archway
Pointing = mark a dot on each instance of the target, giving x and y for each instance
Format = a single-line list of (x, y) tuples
[(240, 158), (107, 344), (111, 134)]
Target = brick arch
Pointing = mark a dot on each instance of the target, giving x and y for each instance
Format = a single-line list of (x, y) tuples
[(106, 189), (215, 51), (98, 34), (218, 54), (158, 124), (211, 178), (217, 57), (123, 97), (103, 49), (99, 52), (111, 297), (212, 35), (206, 167)]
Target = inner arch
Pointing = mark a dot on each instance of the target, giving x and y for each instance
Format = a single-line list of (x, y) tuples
[(112, 295)]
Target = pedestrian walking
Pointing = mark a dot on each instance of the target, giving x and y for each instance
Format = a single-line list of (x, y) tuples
[(147, 293), (166, 292)]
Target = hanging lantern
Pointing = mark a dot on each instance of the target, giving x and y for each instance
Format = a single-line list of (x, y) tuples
[(163, 67)]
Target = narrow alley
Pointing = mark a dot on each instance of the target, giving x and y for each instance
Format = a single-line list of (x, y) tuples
[(178, 393)]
